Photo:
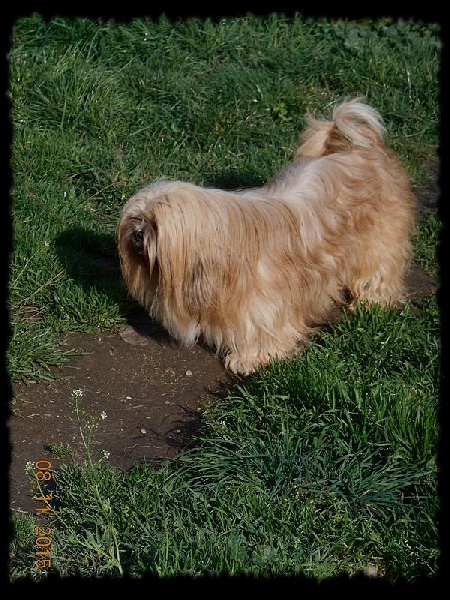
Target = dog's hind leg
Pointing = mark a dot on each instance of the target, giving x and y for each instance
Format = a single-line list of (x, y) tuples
[(383, 288)]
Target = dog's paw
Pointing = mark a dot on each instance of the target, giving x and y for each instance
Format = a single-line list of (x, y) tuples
[(240, 365)]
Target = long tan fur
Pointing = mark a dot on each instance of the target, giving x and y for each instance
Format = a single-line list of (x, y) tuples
[(254, 272)]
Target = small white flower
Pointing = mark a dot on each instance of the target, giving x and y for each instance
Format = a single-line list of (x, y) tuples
[(106, 454), (103, 415), (77, 393)]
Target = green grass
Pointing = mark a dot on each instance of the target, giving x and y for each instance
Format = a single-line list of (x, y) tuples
[(322, 465)]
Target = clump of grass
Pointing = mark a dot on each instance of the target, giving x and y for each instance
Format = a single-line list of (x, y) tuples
[(101, 541), (62, 450)]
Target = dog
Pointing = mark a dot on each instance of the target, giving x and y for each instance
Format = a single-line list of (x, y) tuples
[(253, 273)]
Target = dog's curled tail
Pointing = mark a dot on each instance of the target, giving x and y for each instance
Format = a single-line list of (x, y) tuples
[(353, 125)]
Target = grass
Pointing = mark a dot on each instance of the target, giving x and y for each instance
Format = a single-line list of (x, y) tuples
[(319, 466)]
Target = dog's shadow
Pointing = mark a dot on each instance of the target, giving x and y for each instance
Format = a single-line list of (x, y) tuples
[(92, 261), (233, 180)]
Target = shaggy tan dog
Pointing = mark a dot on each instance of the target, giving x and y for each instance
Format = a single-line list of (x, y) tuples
[(253, 272)]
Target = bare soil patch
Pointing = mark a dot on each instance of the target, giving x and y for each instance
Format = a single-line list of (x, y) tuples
[(152, 390)]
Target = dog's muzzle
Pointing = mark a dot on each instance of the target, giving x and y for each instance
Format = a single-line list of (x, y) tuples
[(138, 237)]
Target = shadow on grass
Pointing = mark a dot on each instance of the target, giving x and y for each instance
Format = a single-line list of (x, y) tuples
[(91, 259), (234, 180)]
